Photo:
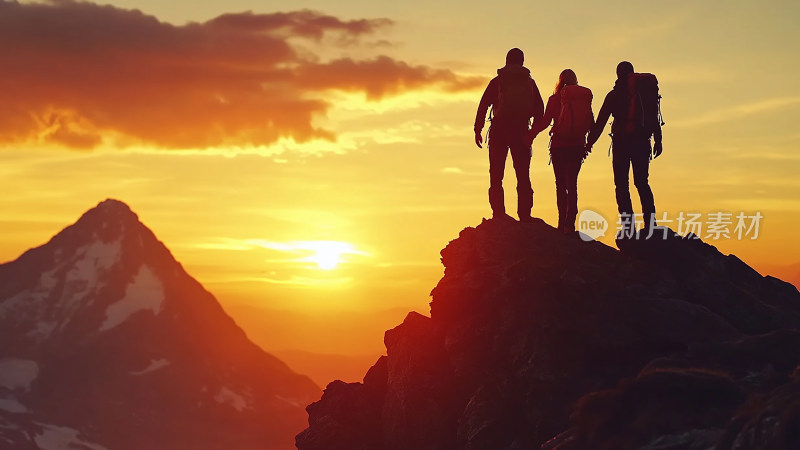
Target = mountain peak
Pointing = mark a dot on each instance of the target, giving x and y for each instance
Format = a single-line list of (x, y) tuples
[(95, 274), (108, 219), (112, 203), (103, 319), (111, 206)]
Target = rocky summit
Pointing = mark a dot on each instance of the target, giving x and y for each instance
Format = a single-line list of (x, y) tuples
[(107, 343), (538, 340)]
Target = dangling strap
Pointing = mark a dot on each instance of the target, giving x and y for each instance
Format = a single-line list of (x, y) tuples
[(550, 148), (660, 117), (611, 144)]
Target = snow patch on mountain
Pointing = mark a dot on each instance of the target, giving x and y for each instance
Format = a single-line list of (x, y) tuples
[(92, 260), (292, 401), (155, 364), (229, 397), (61, 291), (12, 405), (43, 329), (53, 437), (30, 303), (144, 293), (18, 373)]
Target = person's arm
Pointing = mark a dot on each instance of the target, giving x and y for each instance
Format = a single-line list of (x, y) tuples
[(489, 98), (544, 121), (657, 147), (538, 104), (602, 119)]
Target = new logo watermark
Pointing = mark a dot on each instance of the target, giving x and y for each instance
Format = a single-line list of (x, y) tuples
[(591, 225)]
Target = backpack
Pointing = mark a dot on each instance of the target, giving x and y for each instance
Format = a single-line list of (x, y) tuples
[(643, 115), (575, 118), (514, 98)]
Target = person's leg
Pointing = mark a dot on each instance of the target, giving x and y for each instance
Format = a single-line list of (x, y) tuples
[(561, 186), (573, 166), (498, 151), (521, 158), (640, 160), (621, 163)]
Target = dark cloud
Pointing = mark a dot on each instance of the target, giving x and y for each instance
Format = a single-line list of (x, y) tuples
[(387, 76), (304, 23), (76, 72)]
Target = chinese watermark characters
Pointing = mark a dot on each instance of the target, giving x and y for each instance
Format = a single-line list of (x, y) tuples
[(691, 225)]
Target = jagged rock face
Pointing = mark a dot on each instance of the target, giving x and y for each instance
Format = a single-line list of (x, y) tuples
[(528, 327), (739, 395), (106, 342)]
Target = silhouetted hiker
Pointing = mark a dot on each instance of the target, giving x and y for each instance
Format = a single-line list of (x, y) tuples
[(570, 108), (635, 121), (515, 99)]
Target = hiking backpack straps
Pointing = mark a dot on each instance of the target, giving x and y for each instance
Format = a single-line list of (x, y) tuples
[(643, 115), (514, 97), (575, 117)]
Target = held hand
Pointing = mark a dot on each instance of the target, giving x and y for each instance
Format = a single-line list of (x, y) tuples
[(478, 139), (657, 149), (529, 138)]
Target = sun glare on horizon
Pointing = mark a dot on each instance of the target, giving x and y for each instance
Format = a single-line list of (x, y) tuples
[(327, 255), (317, 255)]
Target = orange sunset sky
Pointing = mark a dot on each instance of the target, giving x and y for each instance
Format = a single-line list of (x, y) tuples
[(307, 161)]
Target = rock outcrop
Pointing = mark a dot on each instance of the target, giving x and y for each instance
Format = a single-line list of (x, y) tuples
[(540, 340)]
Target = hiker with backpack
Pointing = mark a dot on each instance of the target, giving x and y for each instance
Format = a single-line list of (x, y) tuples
[(570, 111), (634, 103), (515, 100)]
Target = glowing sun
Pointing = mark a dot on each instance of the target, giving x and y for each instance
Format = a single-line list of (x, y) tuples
[(328, 254)]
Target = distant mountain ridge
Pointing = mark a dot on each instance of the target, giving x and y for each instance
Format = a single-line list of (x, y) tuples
[(788, 272), (107, 342), (537, 340)]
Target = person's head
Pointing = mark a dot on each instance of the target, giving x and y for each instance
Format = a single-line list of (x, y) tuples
[(624, 69), (515, 56), (567, 78)]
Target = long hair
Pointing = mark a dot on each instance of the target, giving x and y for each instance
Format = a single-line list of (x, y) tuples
[(567, 78)]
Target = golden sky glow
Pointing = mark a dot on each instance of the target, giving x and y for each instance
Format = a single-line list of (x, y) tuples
[(309, 166)]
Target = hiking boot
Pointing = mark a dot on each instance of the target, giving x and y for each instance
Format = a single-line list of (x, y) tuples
[(649, 224), (503, 217)]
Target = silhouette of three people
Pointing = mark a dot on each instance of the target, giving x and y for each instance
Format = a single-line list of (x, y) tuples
[(517, 105)]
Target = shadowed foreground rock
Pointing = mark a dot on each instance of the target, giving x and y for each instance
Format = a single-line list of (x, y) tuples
[(536, 339)]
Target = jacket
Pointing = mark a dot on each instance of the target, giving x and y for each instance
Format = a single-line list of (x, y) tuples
[(491, 95)]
